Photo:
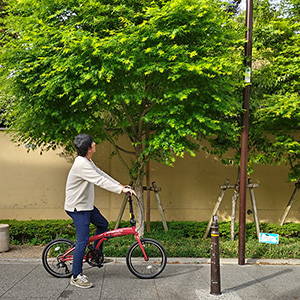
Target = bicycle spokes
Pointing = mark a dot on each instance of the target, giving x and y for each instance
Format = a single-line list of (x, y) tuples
[(150, 267), (57, 258)]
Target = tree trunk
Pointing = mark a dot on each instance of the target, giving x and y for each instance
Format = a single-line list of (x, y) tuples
[(139, 191), (140, 205)]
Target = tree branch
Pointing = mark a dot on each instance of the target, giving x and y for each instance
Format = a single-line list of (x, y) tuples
[(143, 113), (124, 150), (124, 131), (290, 161), (117, 150), (133, 128)]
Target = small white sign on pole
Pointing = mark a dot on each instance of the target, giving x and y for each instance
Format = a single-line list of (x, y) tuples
[(248, 75), (270, 238)]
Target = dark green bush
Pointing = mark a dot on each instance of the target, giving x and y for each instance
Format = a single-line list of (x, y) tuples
[(287, 230), (42, 231), (38, 232), (184, 239)]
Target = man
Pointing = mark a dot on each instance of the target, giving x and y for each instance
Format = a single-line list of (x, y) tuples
[(79, 202)]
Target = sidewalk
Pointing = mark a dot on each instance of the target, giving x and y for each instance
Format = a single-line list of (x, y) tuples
[(182, 279)]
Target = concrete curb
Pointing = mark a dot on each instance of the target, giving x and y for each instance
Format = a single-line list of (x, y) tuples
[(181, 260), (248, 261)]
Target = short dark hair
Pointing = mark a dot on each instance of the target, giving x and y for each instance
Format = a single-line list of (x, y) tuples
[(83, 142)]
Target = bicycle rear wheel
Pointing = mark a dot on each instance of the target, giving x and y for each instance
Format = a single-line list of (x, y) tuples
[(146, 269), (53, 261)]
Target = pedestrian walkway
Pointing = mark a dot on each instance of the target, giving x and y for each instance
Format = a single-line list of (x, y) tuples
[(182, 279)]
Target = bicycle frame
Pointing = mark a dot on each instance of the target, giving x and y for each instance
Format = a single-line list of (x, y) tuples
[(59, 262), (118, 232), (112, 234)]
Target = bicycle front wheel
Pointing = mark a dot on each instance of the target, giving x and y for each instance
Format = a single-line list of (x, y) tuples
[(146, 269), (54, 260)]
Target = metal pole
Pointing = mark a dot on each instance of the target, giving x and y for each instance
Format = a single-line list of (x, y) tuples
[(244, 136), (215, 286)]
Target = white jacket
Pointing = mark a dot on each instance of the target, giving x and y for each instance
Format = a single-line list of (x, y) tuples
[(82, 177)]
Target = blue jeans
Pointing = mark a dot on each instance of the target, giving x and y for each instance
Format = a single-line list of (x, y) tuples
[(82, 220)]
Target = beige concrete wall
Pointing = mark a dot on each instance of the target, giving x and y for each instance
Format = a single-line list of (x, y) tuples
[(32, 186)]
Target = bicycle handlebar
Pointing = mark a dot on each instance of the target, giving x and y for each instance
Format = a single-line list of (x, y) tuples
[(132, 192)]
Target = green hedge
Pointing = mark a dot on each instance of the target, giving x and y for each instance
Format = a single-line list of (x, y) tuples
[(184, 239), (40, 232)]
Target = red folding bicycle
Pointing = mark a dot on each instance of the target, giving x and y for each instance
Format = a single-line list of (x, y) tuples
[(146, 258)]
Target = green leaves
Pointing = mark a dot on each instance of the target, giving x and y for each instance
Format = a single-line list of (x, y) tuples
[(115, 68), (276, 85)]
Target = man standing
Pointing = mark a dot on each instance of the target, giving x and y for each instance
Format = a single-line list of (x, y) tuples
[(79, 202)]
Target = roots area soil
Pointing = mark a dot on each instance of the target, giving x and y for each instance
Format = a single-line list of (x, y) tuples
[(23, 251)]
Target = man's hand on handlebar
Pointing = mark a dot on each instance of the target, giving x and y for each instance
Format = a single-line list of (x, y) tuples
[(128, 190)]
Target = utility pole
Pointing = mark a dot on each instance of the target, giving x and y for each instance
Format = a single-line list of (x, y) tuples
[(244, 136)]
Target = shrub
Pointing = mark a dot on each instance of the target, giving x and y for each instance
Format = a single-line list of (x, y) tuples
[(184, 239), (38, 232)]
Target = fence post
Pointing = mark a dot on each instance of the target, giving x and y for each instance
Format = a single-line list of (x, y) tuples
[(215, 287)]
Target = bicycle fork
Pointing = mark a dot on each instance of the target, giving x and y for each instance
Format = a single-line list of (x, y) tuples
[(142, 247)]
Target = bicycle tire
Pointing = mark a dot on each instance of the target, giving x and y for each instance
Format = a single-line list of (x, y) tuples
[(157, 259), (51, 258)]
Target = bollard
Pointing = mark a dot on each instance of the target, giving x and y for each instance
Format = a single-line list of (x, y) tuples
[(215, 286), (4, 237)]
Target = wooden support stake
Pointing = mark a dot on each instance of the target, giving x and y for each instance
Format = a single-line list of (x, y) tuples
[(254, 207), (232, 186), (233, 213), (148, 211), (121, 211), (160, 206), (235, 196), (152, 189), (214, 213), (292, 199)]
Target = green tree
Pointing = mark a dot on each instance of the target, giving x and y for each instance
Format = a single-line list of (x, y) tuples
[(161, 73), (274, 110), (277, 85)]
